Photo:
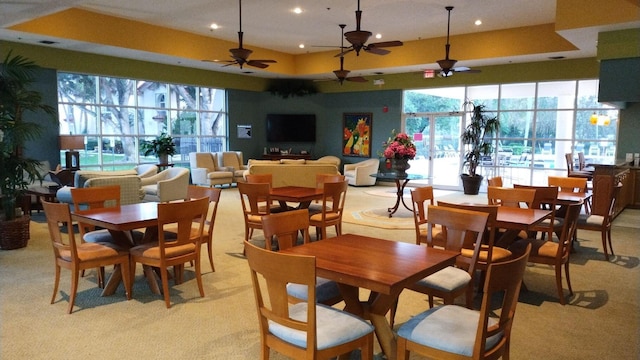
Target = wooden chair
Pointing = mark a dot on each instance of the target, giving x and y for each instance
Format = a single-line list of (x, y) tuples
[(78, 257), (602, 211), (333, 199), (495, 181), (259, 178), (510, 196), (213, 194), (461, 229), (320, 180), (305, 330), (570, 184), (421, 198), (554, 253), (96, 198), (251, 195), (582, 164), (285, 227), (572, 171), (455, 332), (174, 252), (266, 179), (546, 198)]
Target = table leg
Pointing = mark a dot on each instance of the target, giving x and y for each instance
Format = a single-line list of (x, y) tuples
[(113, 282), (400, 185)]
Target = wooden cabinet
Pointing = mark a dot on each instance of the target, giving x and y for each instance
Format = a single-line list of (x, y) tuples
[(635, 187), (615, 174)]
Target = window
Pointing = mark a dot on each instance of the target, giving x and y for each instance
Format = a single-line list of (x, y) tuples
[(117, 114)]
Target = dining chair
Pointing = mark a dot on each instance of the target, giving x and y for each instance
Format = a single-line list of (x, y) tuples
[(602, 211), (265, 179), (570, 184), (495, 181), (78, 257), (546, 198), (177, 251), (421, 198), (513, 197), (572, 172), (285, 229), (213, 194), (455, 332), (582, 164), (97, 198), (320, 180), (251, 195), (553, 253), (305, 330), (333, 198), (461, 229)]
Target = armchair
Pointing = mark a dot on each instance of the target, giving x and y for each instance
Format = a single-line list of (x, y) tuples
[(359, 174), (205, 170), (232, 161), (146, 170), (168, 185)]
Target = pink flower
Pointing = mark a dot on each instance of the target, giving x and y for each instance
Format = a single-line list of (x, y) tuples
[(399, 146)]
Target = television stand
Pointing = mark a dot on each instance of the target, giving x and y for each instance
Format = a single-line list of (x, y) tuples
[(287, 156)]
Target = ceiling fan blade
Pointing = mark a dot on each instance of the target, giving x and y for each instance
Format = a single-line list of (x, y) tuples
[(376, 50), (356, 79), (265, 61), (386, 44), (257, 63), (344, 52)]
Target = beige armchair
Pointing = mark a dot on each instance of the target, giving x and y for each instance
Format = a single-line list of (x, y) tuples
[(232, 161), (146, 170), (168, 185), (205, 170), (359, 174)]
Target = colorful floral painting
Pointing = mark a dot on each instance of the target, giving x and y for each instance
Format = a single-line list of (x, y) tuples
[(356, 134)]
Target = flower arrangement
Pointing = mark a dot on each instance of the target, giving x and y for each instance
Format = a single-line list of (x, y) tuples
[(399, 146)]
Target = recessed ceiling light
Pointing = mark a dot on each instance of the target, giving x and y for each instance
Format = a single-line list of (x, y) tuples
[(301, 46), (478, 22), (378, 36), (297, 10), (213, 26)]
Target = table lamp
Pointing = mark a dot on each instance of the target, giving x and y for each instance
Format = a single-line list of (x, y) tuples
[(71, 143)]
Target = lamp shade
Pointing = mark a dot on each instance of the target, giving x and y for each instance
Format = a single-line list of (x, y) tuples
[(71, 142)]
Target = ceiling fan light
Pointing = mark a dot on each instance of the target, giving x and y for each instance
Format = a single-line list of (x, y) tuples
[(240, 53), (341, 74), (357, 37), (447, 63)]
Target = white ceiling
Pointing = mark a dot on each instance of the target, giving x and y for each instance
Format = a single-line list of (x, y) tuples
[(273, 25)]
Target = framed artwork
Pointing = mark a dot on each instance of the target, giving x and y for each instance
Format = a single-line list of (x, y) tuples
[(356, 134)]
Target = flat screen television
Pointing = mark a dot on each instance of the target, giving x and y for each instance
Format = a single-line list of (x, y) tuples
[(291, 127)]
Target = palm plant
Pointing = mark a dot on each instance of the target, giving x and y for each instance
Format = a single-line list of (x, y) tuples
[(478, 140), (17, 73)]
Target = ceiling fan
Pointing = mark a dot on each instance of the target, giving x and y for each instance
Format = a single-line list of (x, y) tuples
[(446, 64), (240, 55), (342, 73), (357, 38)]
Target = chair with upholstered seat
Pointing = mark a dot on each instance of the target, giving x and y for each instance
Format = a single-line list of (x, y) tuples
[(546, 198), (286, 228), (572, 171), (554, 253), (570, 184), (252, 195), (359, 174), (333, 198), (495, 181), (510, 196), (175, 252), (305, 330), (421, 198), (233, 161), (320, 180), (78, 257), (461, 229), (455, 332), (168, 185)]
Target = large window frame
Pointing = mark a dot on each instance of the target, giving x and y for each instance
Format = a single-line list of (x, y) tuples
[(116, 115)]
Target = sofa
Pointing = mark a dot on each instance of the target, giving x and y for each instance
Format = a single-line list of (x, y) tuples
[(206, 170), (129, 181), (168, 185), (359, 174), (290, 172)]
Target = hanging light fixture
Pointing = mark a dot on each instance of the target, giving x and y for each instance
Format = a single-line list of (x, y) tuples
[(599, 119)]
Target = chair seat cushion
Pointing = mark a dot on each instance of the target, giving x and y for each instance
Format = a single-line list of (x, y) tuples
[(328, 216), (152, 250), (92, 251), (325, 289), (539, 247), (596, 220), (450, 328), (333, 327), (497, 254), (448, 279)]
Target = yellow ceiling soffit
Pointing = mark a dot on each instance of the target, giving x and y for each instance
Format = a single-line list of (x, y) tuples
[(86, 26), (577, 14)]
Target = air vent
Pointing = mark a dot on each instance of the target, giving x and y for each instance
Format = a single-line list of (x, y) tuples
[(47, 42), (556, 57)]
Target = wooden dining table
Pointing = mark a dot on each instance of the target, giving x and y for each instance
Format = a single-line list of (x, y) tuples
[(299, 194), (384, 267), (121, 221), (567, 198)]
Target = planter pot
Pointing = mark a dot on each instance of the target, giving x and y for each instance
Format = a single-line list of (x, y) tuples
[(163, 159), (471, 184), (400, 166), (14, 234)]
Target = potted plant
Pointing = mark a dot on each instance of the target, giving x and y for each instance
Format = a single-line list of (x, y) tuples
[(162, 147), (478, 140), (16, 75)]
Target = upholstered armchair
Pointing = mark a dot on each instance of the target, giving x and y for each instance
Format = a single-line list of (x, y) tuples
[(205, 170), (232, 161), (359, 174), (330, 159), (168, 185), (146, 170)]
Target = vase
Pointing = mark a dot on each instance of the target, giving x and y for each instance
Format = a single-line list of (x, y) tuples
[(400, 166), (163, 159)]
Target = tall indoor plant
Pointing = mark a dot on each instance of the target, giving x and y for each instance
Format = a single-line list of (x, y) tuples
[(478, 140)]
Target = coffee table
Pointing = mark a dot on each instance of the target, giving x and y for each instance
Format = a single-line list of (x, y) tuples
[(48, 193)]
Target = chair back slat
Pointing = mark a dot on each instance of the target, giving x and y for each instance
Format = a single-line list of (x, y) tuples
[(285, 227), (510, 196)]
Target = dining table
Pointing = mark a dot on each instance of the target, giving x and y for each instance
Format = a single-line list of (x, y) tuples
[(120, 221), (384, 267), (298, 194)]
